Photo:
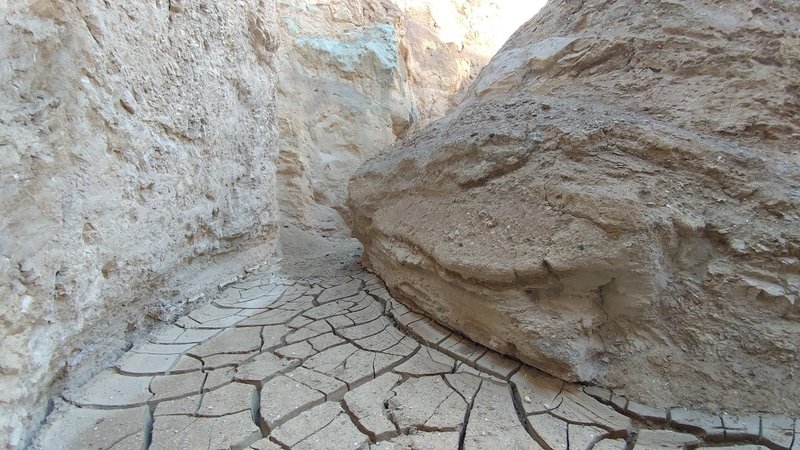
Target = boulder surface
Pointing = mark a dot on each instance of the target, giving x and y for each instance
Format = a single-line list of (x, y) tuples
[(616, 201)]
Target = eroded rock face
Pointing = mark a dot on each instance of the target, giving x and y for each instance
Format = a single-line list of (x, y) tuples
[(357, 75), (136, 143), (617, 201)]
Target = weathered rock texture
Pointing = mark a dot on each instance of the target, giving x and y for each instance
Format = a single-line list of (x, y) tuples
[(356, 75), (616, 201), (136, 145)]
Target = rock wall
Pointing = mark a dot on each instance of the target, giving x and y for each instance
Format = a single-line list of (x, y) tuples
[(617, 201), (355, 75), (136, 149)]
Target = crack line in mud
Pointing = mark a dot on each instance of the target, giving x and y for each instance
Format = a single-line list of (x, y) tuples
[(463, 433)]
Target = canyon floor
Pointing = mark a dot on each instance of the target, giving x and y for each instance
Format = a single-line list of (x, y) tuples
[(314, 353)]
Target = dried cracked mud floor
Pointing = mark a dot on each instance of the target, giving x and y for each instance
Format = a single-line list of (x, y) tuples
[(317, 354)]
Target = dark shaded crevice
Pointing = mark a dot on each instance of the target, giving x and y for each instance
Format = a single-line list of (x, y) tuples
[(523, 419), (148, 426), (354, 419), (630, 441), (463, 433)]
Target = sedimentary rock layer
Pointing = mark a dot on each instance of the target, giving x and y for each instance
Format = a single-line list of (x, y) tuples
[(136, 143), (617, 200)]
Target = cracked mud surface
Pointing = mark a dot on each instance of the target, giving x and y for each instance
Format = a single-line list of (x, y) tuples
[(302, 357)]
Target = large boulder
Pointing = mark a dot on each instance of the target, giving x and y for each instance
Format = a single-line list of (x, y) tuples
[(616, 201)]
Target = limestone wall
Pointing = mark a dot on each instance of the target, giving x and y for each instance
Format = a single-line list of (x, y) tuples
[(136, 170)]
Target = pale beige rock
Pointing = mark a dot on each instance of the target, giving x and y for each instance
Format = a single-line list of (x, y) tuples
[(610, 207), (137, 174)]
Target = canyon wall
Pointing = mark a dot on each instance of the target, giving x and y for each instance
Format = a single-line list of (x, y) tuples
[(137, 142), (616, 201), (355, 75)]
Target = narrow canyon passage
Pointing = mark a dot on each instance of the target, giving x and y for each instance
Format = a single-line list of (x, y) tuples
[(400, 224), (314, 353)]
